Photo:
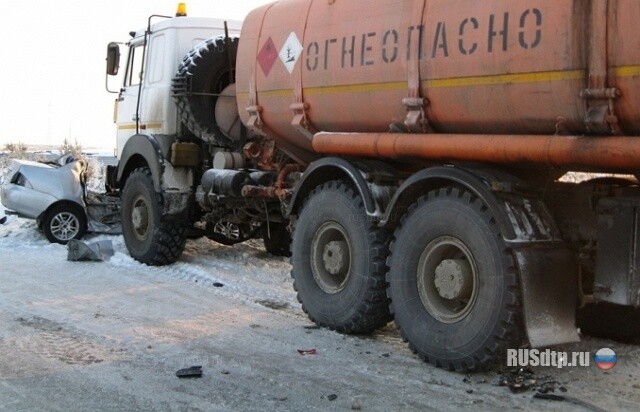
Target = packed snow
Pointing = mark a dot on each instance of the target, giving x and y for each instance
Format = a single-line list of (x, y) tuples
[(111, 335), (243, 271)]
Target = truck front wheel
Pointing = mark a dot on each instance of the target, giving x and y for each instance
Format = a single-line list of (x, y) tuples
[(453, 283), (338, 258), (150, 239)]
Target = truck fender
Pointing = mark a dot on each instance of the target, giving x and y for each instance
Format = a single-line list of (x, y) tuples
[(141, 151), (548, 271), (327, 169), (433, 178)]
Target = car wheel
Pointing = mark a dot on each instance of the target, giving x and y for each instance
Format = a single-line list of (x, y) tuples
[(63, 223)]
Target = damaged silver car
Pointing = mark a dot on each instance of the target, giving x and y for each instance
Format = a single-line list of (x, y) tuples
[(55, 195)]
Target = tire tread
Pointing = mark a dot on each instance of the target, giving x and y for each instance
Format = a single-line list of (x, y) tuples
[(373, 312), (169, 238), (508, 333)]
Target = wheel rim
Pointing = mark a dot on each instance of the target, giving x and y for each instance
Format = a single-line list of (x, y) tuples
[(331, 257), (447, 279), (228, 229), (140, 217), (65, 226)]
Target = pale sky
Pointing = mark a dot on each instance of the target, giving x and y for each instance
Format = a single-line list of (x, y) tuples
[(53, 63)]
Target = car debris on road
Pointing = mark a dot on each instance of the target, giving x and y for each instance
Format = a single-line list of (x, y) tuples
[(192, 372), (99, 251)]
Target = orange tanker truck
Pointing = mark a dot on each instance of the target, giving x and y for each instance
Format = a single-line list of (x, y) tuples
[(407, 155)]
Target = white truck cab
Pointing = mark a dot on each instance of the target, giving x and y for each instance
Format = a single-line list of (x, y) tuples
[(145, 103), (177, 71)]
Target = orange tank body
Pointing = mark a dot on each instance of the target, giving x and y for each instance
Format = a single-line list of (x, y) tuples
[(519, 67)]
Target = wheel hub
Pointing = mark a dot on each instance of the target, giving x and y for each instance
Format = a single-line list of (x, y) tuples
[(331, 258), (454, 278), (140, 218), (447, 279), (335, 257), (65, 226)]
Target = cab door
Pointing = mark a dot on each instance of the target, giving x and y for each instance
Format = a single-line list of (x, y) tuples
[(127, 102)]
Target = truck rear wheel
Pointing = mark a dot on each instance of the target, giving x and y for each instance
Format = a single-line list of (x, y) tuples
[(338, 258), (609, 321), (149, 238), (453, 283), (277, 239)]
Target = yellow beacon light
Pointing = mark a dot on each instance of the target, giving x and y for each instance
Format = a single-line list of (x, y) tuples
[(182, 10)]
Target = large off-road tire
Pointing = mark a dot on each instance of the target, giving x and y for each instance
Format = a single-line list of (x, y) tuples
[(64, 222), (453, 284), (277, 239), (609, 321), (338, 258), (202, 76), (150, 239)]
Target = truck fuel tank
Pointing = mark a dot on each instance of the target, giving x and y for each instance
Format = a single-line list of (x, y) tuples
[(439, 66)]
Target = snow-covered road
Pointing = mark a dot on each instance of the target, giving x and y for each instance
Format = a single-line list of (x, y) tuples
[(110, 336)]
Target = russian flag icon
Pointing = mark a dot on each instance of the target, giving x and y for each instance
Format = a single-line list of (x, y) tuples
[(605, 359)]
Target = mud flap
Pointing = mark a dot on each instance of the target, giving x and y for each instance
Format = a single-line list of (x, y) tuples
[(549, 282)]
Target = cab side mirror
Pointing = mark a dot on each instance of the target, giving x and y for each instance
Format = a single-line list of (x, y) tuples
[(113, 58)]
